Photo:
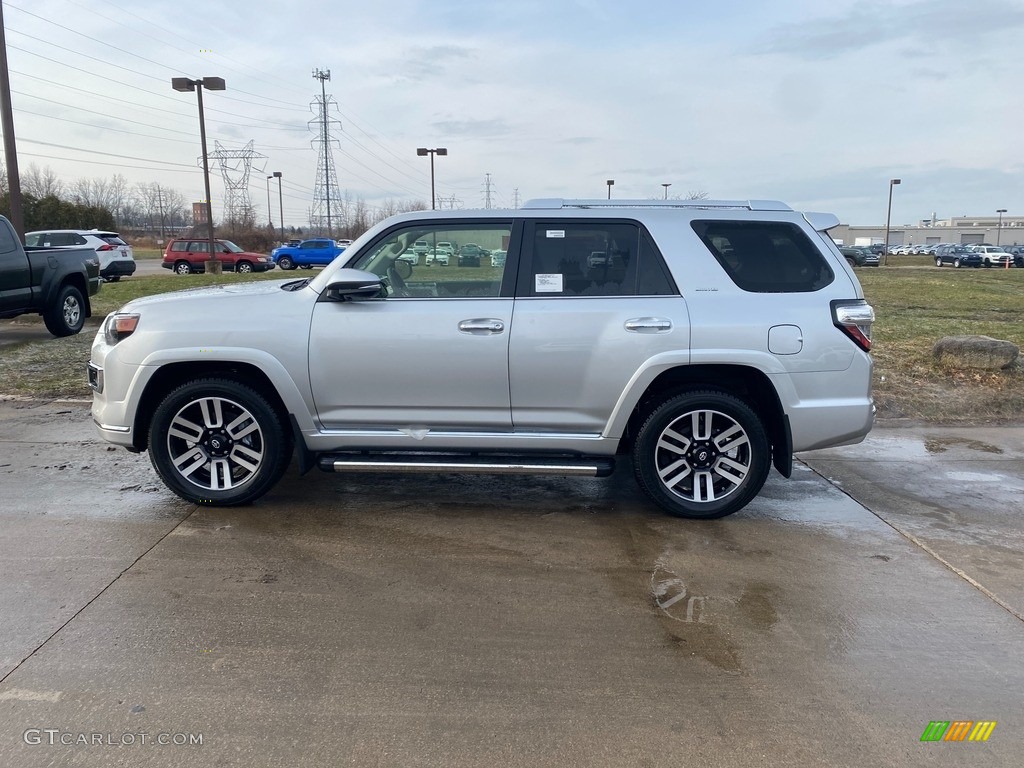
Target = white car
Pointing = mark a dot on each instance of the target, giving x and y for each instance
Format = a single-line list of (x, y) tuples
[(438, 256), (116, 257), (992, 255)]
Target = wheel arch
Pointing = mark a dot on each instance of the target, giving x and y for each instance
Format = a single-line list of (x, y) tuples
[(76, 280), (167, 377), (745, 382)]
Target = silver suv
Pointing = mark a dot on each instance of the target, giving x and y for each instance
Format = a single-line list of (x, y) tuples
[(710, 341)]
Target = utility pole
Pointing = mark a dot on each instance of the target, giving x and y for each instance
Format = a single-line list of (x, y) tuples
[(515, 197), (10, 147), (160, 205)]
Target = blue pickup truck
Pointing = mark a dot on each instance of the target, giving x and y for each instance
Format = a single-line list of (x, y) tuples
[(318, 252)]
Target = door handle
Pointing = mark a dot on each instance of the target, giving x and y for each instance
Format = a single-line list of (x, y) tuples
[(482, 326), (648, 325)]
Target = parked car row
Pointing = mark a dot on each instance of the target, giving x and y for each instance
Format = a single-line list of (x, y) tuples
[(978, 255)]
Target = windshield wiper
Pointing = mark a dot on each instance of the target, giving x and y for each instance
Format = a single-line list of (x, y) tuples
[(296, 285)]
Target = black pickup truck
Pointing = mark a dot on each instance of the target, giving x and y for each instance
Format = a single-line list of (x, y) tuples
[(53, 282)]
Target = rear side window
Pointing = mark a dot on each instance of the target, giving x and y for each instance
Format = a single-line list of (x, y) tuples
[(595, 258), (766, 256), (179, 246)]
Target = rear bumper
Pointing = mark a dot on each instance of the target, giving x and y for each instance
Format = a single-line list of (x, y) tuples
[(119, 268)]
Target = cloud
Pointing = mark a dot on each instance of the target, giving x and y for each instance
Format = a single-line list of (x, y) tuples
[(473, 128), (867, 24)]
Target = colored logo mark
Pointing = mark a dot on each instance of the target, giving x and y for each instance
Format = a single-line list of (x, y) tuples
[(958, 730)]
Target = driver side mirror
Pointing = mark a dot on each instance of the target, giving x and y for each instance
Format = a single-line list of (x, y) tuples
[(354, 285)]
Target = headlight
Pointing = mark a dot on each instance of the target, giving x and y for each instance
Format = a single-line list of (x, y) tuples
[(119, 326)]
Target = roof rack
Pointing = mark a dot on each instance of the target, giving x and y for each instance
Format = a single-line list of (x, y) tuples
[(749, 205)]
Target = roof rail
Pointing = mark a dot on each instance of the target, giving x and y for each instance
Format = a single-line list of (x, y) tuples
[(749, 205)]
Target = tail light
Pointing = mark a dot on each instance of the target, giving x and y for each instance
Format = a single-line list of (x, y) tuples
[(854, 318), (107, 247)]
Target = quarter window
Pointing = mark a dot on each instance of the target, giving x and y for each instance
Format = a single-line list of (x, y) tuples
[(766, 256)]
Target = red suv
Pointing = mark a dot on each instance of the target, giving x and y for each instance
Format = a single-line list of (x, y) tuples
[(186, 256)]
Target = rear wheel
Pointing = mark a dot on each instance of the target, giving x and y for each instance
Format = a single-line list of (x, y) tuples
[(286, 262), (216, 441), (702, 455), (66, 316), (183, 268)]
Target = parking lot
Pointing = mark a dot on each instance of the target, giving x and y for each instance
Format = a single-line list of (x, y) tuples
[(475, 621)]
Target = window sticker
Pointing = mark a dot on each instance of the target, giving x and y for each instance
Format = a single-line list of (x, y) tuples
[(547, 284), (556, 233)]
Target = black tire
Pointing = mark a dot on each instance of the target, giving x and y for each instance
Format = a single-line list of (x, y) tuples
[(217, 430), (66, 316), (182, 268), (938, 261), (286, 262), (243, 267), (851, 262), (667, 460), (957, 263)]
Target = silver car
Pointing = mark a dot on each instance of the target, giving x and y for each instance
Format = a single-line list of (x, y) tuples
[(709, 342)]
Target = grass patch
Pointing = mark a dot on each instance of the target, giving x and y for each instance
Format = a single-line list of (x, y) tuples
[(916, 307)]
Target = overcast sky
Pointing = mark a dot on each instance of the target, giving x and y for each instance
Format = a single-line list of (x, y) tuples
[(816, 104)]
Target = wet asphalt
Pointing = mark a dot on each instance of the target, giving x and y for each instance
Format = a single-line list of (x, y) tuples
[(372, 620)]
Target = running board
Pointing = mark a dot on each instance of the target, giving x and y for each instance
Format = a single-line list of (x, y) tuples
[(590, 466)]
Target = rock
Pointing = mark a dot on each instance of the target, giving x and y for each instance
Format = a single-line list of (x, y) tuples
[(981, 352)]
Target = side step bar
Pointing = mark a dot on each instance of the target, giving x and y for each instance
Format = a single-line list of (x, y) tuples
[(590, 466)]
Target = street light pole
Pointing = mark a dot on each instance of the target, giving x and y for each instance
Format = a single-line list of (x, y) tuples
[(280, 203), (666, 186), (610, 183), (999, 228), (184, 84), (423, 152), (888, 219)]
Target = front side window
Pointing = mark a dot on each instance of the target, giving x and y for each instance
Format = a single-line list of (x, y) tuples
[(595, 259), (766, 256), (419, 261)]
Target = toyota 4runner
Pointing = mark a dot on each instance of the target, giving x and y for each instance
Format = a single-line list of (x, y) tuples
[(709, 342)]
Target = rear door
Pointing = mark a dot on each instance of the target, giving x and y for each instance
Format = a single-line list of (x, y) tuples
[(594, 302)]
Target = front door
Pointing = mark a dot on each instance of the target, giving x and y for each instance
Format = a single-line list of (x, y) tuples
[(433, 354)]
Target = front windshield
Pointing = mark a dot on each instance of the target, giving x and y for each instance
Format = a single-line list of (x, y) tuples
[(231, 246)]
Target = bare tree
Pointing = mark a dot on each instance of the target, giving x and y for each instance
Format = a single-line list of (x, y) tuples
[(41, 182)]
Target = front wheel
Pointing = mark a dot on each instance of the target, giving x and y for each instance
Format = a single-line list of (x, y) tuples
[(938, 261), (216, 441), (702, 455), (66, 316), (286, 262), (243, 267), (957, 263)]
